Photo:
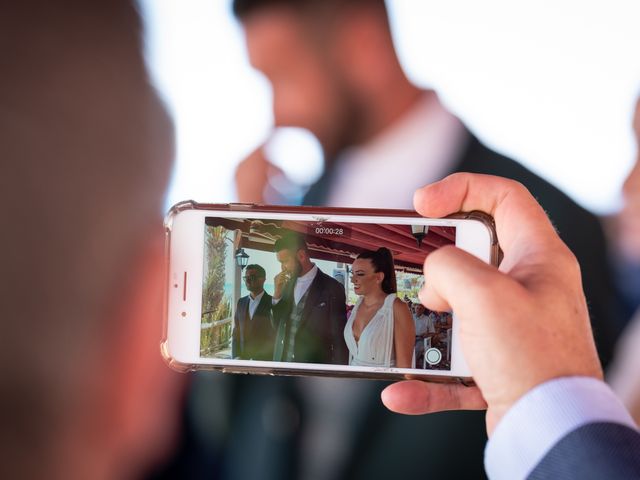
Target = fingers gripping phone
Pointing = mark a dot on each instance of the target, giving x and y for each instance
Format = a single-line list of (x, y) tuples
[(312, 291)]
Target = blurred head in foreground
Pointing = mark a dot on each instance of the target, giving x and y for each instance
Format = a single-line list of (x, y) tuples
[(332, 66), (86, 153)]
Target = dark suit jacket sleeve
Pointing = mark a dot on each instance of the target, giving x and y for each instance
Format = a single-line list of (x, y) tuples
[(594, 451), (283, 307), (265, 308), (278, 311), (235, 332), (338, 315)]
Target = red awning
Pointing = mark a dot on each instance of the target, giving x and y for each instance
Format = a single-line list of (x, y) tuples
[(355, 238)]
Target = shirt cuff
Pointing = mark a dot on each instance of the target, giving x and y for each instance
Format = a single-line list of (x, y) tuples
[(542, 417)]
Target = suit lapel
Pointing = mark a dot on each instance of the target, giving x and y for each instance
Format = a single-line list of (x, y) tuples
[(283, 320), (263, 306)]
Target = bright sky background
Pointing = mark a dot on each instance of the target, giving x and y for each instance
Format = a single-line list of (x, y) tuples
[(550, 83)]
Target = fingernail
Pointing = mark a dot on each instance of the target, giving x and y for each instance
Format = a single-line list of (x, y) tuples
[(384, 395)]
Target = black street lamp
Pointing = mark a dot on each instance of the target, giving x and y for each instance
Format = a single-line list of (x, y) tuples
[(242, 259), (419, 232)]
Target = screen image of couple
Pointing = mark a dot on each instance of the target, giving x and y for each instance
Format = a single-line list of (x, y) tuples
[(321, 293)]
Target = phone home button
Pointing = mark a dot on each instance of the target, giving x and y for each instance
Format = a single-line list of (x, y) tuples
[(433, 356)]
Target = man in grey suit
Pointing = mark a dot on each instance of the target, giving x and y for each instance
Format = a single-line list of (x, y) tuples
[(252, 336), (548, 412)]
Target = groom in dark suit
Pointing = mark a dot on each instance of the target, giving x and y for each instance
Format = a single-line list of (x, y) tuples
[(309, 308), (252, 337)]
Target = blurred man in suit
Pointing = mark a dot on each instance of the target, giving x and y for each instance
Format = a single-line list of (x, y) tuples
[(252, 335), (334, 71), (309, 308)]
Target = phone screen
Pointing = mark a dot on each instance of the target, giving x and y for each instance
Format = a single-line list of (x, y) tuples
[(332, 293)]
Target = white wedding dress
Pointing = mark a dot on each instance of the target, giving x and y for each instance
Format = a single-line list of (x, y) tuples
[(375, 347)]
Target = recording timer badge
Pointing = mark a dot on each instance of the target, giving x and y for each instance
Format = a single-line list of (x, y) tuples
[(329, 230)]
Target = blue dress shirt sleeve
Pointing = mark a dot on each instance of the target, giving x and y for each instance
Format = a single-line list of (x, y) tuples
[(542, 417)]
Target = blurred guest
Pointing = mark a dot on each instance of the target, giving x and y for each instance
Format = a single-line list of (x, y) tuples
[(444, 320), (379, 332), (252, 336), (87, 150), (425, 328), (425, 322)]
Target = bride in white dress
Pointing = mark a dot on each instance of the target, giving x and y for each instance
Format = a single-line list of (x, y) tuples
[(380, 331)]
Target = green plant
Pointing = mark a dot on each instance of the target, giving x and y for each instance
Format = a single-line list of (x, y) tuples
[(214, 279)]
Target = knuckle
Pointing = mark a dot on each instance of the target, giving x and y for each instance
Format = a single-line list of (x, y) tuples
[(568, 263)]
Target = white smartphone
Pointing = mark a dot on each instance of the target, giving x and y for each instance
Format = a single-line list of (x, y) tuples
[(312, 291)]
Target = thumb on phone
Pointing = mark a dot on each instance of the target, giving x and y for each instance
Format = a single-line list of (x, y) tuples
[(520, 325)]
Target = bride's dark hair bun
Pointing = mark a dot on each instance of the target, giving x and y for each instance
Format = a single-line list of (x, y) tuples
[(382, 260)]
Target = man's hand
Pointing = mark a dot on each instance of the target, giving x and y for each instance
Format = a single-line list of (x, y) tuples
[(279, 281), (252, 176), (521, 325)]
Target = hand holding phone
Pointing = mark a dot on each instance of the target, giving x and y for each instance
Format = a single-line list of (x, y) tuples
[(524, 324)]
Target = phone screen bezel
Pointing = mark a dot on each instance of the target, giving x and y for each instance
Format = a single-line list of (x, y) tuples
[(185, 251)]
